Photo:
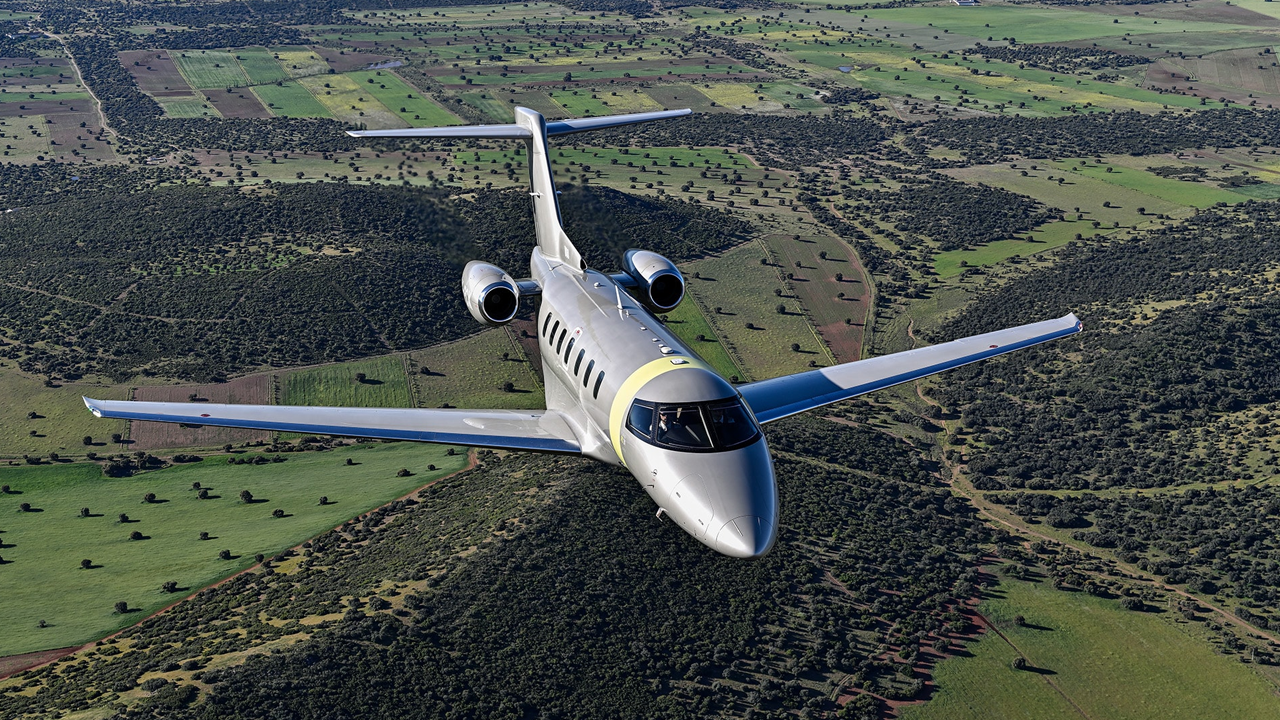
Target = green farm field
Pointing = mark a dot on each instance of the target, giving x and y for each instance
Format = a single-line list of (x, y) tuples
[(1109, 662), (210, 69), (409, 103), (289, 99), (260, 66), (347, 101), (21, 143), (470, 373), (42, 550), (188, 107), (743, 289), (336, 385), (63, 421)]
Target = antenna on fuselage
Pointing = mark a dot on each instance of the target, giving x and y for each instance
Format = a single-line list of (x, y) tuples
[(533, 128)]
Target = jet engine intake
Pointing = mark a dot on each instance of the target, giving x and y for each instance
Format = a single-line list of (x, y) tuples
[(491, 295), (661, 286)]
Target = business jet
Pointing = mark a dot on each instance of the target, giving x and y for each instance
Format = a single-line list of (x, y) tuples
[(620, 387)]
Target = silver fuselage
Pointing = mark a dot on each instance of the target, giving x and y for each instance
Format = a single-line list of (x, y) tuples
[(727, 499)]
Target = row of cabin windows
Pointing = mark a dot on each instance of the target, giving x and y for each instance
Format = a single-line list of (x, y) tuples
[(568, 351)]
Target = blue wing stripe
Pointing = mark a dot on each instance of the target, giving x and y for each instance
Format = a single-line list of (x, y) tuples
[(836, 393)]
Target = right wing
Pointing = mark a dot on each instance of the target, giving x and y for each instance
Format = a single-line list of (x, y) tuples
[(777, 398), (533, 430)]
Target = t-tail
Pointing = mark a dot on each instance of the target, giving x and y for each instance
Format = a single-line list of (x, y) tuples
[(534, 129)]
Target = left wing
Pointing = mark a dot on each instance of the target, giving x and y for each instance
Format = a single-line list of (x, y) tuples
[(534, 430), (777, 398)]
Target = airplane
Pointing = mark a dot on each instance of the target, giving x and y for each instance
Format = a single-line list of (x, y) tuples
[(620, 387)]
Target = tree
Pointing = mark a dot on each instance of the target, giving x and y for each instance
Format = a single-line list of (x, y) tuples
[(277, 513), (24, 507), (1019, 663), (84, 512), (86, 564), (1019, 620), (204, 535), (795, 347), (839, 277), (403, 472), (224, 554), (116, 438), (782, 309), (202, 494), (169, 587), (568, 77), (508, 387), (246, 497), (122, 607), (361, 377), (123, 518), (195, 486), (324, 500), (135, 535), (87, 440), (149, 498)]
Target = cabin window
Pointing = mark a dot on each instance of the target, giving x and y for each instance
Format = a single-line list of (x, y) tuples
[(595, 392), (554, 328), (586, 376), (577, 364), (569, 350), (546, 323)]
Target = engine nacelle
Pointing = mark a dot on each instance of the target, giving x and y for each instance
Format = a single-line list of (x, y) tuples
[(491, 295), (661, 286)]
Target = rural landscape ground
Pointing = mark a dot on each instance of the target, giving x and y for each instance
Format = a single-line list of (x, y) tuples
[(1086, 529)]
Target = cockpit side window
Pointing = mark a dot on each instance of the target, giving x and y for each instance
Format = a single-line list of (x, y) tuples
[(731, 423), (640, 419)]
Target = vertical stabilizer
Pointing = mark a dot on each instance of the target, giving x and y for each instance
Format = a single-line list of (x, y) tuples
[(531, 127), (552, 240)]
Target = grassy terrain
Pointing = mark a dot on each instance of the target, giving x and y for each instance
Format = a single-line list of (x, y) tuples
[(743, 288), (470, 373), (260, 66), (42, 550), (183, 107), (688, 322), (1111, 663), (410, 104), (300, 62), (210, 69), (336, 385), (348, 101), (24, 139), (63, 421), (289, 99)]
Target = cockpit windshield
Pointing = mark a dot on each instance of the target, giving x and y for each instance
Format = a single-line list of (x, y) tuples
[(704, 427)]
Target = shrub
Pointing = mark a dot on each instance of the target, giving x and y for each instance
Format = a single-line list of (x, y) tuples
[(123, 518), (202, 494), (135, 535), (1019, 663), (154, 684), (84, 512), (1132, 603), (149, 498), (324, 500), (403, 472), (24, 507), (87, 440), (246, 496), (122, 607), (204, 535), (277, 513), (224, 554), (169, 587)]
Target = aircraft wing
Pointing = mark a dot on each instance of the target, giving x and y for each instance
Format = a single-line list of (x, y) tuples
[(533, 430), (780, 397)]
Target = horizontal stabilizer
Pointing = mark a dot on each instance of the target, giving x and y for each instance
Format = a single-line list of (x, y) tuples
[(518, 132), (777, 398), (535, 430)]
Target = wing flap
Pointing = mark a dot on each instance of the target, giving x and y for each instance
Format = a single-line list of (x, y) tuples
[(780, 397), (538, 431)]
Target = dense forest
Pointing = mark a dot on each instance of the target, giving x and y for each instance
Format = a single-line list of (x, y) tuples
[(1181, 351), (622, 616), (197, 282)]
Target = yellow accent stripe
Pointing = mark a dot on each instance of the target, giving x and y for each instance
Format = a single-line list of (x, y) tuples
[(638, 379)]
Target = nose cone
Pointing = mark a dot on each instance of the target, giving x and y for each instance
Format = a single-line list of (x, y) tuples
[(748, 536)]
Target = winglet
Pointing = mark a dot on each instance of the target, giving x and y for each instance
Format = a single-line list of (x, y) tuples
[(93, 408)]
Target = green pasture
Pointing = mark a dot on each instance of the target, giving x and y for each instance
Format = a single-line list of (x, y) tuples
[(485, 102), (408, 102), (470, 373), (289, 99), (1110, 663), (34, 72), (210, 69), (347, 101), (63, 420), (42, 550), (21, 143), (1180, 192), (743, 288), (21, 96), (260, 66), (1029, 24), (301, 62), (188, 107), (1055, 234), (815, 285), (471, 14), (688, 322), (336, 385)]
